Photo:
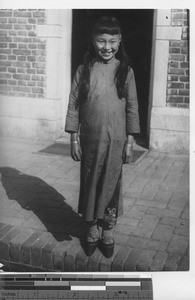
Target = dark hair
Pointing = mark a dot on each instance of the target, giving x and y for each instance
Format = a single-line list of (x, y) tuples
[(109, 25)]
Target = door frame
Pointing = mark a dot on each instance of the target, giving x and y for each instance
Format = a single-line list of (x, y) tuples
[(151, 84)]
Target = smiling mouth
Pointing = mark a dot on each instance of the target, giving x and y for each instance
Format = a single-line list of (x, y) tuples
[(107, 53)]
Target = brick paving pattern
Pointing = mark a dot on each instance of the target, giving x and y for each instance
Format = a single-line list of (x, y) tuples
[(40, 229)]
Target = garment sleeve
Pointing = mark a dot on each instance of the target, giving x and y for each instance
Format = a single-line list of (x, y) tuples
[(132, 115), (72, 116)]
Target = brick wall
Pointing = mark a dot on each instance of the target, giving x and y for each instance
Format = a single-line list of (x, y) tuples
[(22, 54), (178, 68)]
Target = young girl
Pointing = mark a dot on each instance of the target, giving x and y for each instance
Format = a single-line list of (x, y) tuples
[(103, 111)]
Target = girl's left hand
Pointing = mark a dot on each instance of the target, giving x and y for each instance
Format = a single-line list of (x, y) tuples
[(128, 153)]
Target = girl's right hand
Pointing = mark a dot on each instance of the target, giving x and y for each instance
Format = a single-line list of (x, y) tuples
[(76, 152)]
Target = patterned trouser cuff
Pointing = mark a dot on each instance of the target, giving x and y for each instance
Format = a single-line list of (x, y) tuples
[(109, 219)]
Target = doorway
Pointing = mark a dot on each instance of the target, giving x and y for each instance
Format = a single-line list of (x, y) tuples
[(137, 29)]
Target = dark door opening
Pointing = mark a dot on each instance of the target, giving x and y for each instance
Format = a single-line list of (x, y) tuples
[(137, 27)]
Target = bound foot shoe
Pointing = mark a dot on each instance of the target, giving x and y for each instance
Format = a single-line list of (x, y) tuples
[(107, 242), (92, 239)]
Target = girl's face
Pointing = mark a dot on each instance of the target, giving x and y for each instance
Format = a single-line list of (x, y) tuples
[(106, 45)]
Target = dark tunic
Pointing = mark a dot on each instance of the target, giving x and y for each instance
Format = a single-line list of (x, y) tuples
[(104, 121)]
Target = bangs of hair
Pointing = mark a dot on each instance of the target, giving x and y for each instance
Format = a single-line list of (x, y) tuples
[(107, 25)]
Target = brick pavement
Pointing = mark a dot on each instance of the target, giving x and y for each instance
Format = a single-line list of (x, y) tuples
[(40, 229)]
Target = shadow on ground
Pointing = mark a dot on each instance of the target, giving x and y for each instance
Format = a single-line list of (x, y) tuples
[(34, 194)]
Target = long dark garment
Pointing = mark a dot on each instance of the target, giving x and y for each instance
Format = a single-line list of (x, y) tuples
[(100, 188), (103, 121)]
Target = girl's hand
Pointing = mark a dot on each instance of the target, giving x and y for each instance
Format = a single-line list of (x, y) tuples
[(128, 150), (76, 152), (128, 153)]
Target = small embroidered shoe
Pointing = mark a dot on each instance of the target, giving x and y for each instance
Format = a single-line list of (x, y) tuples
[(107, 242), (92, 239)]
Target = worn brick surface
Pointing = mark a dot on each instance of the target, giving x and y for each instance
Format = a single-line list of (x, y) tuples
[(171, 262), (178, 201), (128, 222), (163, 233), (182, 229), (70, 258), (127, 203), (184, 263), (16, 243), (145, 259), (136, 212), (25, 249), (137, 231), (178, 244), (131, 261), (150, 203), (59, 255), (16, 267), (163, 193), (1, 226), (121, 238), (81, 261), (37, 247), (158, 261), (119, 259), (149, 221), (163, 212), (171, 221), (125, 229), (132, 192), (146, 243), (5, 243), (186, 213), (152, 234), (147, 162), (149, 191), (47, 254), (4, 230)]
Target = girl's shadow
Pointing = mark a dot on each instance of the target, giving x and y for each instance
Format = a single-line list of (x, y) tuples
[(34, 194)]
